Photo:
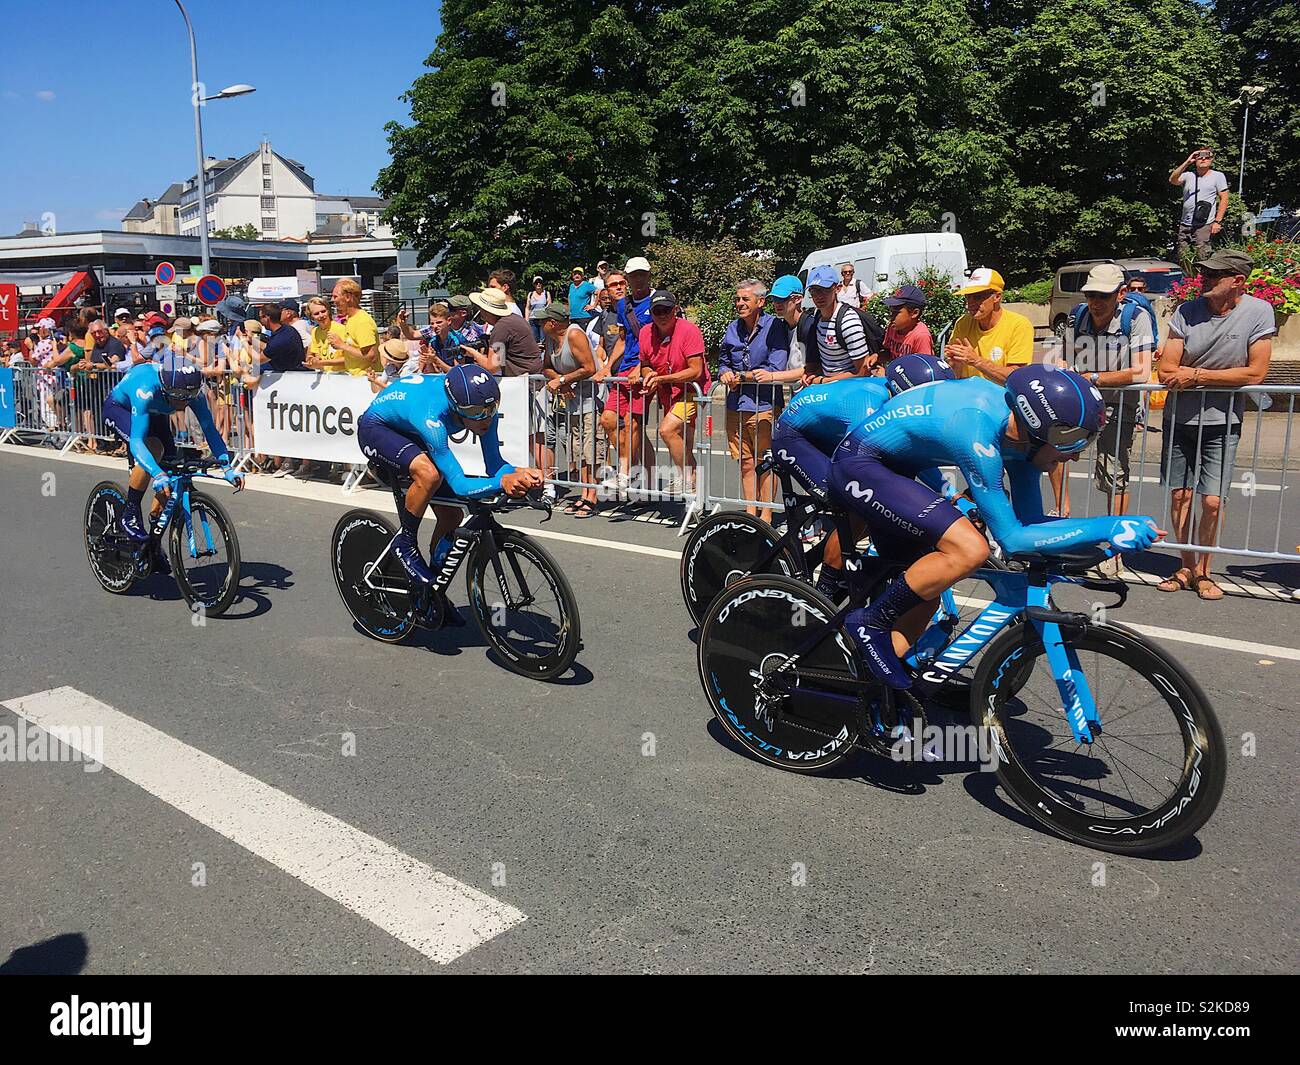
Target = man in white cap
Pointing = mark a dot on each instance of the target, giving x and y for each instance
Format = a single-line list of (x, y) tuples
[(625, 405)]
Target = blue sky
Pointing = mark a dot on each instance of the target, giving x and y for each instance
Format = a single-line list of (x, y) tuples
[(91, 124)]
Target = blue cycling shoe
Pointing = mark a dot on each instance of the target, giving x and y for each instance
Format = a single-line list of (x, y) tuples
[(408, 554), (871, 626), (877, 647), (133, 524)]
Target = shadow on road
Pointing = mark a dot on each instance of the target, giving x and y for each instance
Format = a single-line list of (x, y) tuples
[(63, 955)]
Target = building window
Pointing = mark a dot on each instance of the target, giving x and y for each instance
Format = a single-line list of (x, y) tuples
[(266, 184), (268, 203), (266, 170), (268, 224)]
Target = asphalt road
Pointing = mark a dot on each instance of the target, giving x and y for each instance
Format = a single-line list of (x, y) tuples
[(547, 798)]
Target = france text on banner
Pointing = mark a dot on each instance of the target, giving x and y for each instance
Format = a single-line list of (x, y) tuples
[(314, 416), (7, 405)]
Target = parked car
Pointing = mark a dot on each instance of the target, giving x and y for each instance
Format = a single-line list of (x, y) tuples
[(879, 262), (1067, 285)]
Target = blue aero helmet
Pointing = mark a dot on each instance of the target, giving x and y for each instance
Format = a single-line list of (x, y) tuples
[(179, 379), (473, 392), (1056, 407), (908, 371)]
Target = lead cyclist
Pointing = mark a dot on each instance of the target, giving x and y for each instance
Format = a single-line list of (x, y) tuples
[(1041, 417)]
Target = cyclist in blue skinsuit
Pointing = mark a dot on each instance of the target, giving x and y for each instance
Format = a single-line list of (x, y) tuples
[(806, 436), (1041, 417), (139, 411), (407, 428), (820, 416)]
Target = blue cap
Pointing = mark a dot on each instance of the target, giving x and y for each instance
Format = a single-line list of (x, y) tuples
[(157, 331), (906, 296), (823, 277), (786, 286)]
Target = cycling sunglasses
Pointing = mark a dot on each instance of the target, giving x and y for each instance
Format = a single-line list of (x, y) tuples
[(477, 413), (1070, 439)]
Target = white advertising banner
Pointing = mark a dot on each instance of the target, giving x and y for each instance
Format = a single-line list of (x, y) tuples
[(314, 416)]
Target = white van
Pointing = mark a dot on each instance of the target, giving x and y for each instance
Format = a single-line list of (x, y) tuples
[(880, 262)]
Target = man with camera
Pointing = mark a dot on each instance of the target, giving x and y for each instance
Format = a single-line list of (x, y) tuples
[(1205, 201)]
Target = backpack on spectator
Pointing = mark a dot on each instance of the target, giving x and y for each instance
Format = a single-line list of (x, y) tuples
[(1131, 304), (806, 331)]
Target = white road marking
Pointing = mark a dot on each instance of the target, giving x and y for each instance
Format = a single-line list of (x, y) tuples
[(1199, 638), (427, 910)]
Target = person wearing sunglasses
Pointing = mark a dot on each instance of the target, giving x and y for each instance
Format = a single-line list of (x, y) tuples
[(1040, 417), (407, 430)]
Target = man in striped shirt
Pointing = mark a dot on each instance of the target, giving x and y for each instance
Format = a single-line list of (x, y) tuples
[(842, 347)]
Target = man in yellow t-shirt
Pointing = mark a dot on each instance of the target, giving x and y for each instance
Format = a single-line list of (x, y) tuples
[(987, 340), (360, 344)]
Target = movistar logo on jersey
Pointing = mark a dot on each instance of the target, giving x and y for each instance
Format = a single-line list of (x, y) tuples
[(432, 423), (859, 492), (145, 395), (905, 410), (986, 450)]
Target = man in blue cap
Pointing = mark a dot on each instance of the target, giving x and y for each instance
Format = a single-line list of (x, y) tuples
[(839, 341), (907, 334)]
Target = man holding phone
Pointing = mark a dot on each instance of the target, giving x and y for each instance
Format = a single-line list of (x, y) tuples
[(1205, 201)]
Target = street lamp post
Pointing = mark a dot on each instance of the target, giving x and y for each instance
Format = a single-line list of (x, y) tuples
[(1249, 94), (198, 100)]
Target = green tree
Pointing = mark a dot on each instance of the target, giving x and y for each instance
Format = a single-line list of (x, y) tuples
[(247, 231), (1269, 32), (530, 144), (1102, 99)]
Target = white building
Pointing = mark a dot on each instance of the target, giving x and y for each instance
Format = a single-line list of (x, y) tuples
[(263, 189), (273, 194)]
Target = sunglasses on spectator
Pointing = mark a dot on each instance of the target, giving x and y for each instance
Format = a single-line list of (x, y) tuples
[(666, 312)]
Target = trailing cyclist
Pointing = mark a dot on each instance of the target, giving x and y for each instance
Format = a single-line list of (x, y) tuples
[(408, 428), (1040, 418), (819, 417), (139, 411)]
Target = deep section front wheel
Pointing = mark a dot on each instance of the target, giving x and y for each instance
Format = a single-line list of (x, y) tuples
[(725, 548), (523, 605), (752, 631), (110, 553), (375, 589), (1153, 775), (205, 555)]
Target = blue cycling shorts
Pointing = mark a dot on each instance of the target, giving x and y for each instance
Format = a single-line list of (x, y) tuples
[(117, 419), (387, 447), (805, 461), (391, 450), (906, 519)]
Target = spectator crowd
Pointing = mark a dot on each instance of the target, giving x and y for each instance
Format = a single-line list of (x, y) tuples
[(620, 359)]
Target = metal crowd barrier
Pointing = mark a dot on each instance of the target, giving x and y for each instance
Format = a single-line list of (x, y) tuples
[(1252, 523), (615, 444)]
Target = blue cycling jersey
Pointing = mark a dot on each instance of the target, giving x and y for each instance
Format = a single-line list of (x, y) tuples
[(963, 423), (418, 407), (140, 393), (824, 414)]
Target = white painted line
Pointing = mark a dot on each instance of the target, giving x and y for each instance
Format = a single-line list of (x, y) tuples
[(1201, 639), (427, 910)]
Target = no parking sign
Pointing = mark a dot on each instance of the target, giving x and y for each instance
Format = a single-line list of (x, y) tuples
[(165, 274), (210, 290)]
